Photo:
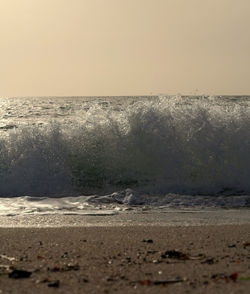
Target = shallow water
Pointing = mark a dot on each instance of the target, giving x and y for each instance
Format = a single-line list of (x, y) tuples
[(140, 217)]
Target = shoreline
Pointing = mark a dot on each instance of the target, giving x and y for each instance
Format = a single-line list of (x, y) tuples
[(147, 217), (126, 259)]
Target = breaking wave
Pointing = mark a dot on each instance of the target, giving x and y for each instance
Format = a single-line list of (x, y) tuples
[(161, 145)]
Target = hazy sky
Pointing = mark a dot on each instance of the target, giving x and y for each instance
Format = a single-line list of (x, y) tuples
[(124, 47)]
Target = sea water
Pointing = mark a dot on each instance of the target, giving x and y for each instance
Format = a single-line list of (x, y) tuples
[(108, 156)]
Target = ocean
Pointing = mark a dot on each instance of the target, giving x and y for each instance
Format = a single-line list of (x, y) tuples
[(161, 157)]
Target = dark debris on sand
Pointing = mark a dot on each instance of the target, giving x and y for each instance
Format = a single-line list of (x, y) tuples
[(111, 265)]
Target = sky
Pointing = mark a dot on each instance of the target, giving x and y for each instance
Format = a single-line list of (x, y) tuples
[(124, 47)]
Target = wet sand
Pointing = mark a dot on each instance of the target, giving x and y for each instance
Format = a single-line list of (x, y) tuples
[(129, 259)]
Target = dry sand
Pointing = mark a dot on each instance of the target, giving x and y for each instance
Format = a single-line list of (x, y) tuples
[(139, 259)]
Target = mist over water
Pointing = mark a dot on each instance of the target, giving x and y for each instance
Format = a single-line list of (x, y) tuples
[(158, 145)]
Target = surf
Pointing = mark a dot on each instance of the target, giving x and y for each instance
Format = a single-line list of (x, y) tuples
[(169, 144)]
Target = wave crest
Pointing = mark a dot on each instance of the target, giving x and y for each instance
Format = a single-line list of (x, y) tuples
[(163, 145)]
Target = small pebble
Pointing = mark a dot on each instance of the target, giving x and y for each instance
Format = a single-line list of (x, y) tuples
[(54, 284)]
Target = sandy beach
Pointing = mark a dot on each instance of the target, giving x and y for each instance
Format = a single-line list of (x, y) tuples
[(135, 259)]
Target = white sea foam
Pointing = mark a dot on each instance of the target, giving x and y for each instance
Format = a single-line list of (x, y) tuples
[(114, 203)]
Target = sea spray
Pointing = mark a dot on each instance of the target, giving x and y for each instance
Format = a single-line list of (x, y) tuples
[(184, 145)]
